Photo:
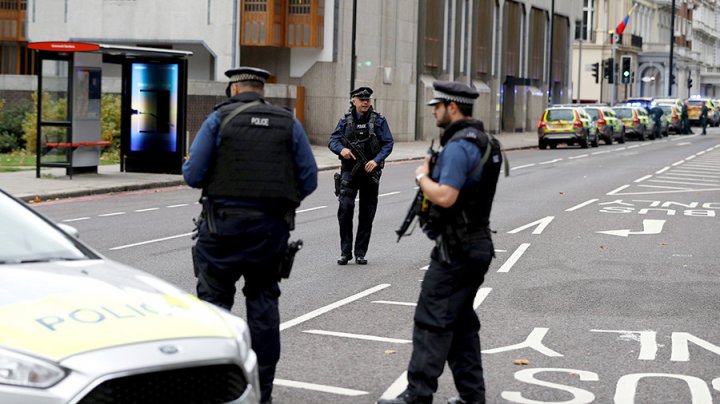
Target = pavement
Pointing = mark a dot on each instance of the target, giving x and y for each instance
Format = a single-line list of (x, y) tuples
[(55, 184)]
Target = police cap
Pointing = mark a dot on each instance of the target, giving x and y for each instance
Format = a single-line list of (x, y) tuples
[(452, 91), (362, 93), (246, 73)]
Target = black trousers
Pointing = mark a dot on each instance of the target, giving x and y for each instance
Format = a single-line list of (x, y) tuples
[(246, 244), (368, 188), (446, 327)]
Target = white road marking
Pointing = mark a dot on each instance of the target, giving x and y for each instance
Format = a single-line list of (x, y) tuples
[(650, 226), (111, 214), (397, 387), (641, 179), (145, 210), (618, 189), (310, 209), (389, 193), (424, 268), (359, 336), (177, 206), (525, 166), (662, 170), (684, 177), (689, 174), (578, 157), (331, 306), (683, 143), (122, 247), (601, 152), (77, 219), (480, 296), (394, 302), (514, 257), (677, 163), (633, 146), (319, 387), (620, 149), (550, 161), (541, 225), (679, 182), (581, 205)]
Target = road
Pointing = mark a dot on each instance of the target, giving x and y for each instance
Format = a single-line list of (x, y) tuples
[(605, 285)]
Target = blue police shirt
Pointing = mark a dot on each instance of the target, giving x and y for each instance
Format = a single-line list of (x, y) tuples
[(196, 168), (456, 161), (382, 130)]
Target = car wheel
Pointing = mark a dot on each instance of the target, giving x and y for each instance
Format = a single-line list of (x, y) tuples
[(595, 141), (553, 145), (641, 135), (542, 145), (609, 137), (584, 141), (622, 136)]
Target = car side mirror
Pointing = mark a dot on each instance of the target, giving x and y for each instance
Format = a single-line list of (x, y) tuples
[(69, 230)]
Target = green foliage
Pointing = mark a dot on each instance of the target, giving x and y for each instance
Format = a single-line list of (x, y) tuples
[(56, 110), (11, 131)]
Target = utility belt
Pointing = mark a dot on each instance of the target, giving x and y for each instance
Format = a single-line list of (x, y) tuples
[(452, 235)]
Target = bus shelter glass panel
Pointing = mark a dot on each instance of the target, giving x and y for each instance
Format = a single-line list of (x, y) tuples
[(154, 108)]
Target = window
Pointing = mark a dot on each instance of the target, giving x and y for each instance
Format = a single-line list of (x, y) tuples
[(482, 42), (432, 45)]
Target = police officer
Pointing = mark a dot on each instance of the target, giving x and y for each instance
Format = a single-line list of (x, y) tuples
[(254, 164), (362, 141), (657, 114), (704, 118), (460, 188), (685, 119)]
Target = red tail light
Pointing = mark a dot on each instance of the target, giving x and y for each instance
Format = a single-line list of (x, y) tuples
[(636, 121), (577, 124), (601, 122), (541, 124)]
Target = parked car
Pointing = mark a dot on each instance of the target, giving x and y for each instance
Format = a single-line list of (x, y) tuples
[(695, 110), (568, 125), (80, 328), (645, 102), (608, 125), (671, 114), (674, 101), (716, 113), (637, 122)]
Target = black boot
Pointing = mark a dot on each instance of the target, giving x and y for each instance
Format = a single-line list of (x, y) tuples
[(406, 397), (343, 260)]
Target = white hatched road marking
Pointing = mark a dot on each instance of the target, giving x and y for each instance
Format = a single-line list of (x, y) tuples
[(514, 258), (581, 205), (77, 219), (319, 387), (359, 336)]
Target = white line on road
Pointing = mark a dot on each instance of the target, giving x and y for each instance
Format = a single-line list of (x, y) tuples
[(680, 182), (145, 210), (514, 258), (331, 306), (388, 194), (394, 302), (77, 219), (111, 214), (359, 336), (578, 157), (634, 146), (683, 143), (618, 189), (541, 225), (525, 166), (620, 149), (480, 296), (310, 209), (641, 179), (550, 161), (576, 207), (684, 177), (177, 206), (319, 387), (662, 170), (397, 387), (151, 241), (677, 163), (601, 152), (425, 268)]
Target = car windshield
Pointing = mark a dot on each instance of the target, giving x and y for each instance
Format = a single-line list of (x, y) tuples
[(560, 115), (594, 113), (695, 103), (25, 237), (624, 112)]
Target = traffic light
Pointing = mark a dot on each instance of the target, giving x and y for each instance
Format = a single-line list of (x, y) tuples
[(626, 69), (595, 67), (608, 70), (672, 79), (689, 83)]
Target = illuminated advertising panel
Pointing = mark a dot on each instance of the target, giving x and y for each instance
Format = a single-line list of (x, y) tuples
[(153, 107)]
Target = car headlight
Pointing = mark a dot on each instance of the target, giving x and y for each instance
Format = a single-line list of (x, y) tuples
[(22, 370)]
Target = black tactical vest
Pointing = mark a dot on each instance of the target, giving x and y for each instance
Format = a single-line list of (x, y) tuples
[(362, 135), (472, 208), (254, 161)]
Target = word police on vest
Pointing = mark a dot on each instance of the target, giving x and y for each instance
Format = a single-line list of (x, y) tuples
[(255, 121)]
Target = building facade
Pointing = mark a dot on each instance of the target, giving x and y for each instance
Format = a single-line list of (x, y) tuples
[(518, 53), (646, 42)]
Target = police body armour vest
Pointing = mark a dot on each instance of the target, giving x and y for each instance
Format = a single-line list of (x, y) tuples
[(475, 202), (254, 161), (362, 134)]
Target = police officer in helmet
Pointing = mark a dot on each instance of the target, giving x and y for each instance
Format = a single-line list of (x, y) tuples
[(254, 164), (362, 141), (460, 188)]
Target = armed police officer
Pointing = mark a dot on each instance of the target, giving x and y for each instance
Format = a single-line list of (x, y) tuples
[(254, 164), (362, 141), (460, 189)]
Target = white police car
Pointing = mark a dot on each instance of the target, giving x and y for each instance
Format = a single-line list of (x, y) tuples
[(78, 328)]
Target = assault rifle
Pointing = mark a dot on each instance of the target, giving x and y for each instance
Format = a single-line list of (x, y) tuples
[(361, 160), (419, 203)]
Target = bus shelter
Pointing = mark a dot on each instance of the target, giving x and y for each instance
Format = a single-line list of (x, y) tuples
[(152, 113)]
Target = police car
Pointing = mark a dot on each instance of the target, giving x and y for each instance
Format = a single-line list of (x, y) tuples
[(78, 328)]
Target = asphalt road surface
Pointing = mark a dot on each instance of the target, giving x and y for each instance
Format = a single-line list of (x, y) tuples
[(605, 288)]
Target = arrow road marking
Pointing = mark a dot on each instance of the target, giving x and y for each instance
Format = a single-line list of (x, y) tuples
[(650, 226), (541, 224)]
